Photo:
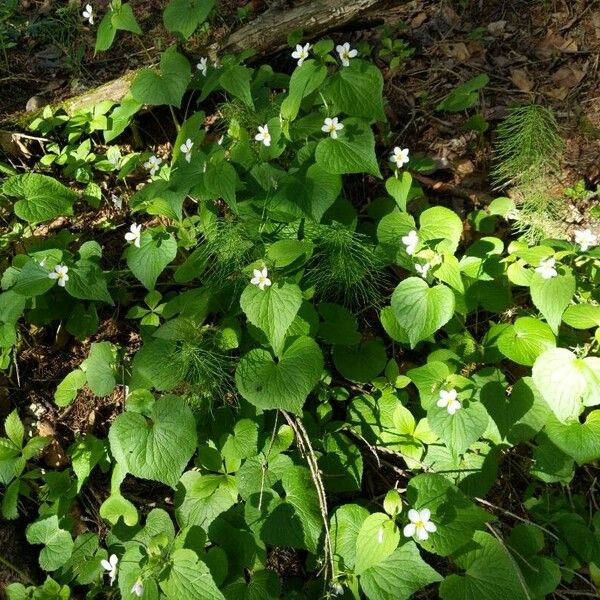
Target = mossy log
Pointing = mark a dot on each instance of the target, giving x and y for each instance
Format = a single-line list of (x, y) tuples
[(266, 34)]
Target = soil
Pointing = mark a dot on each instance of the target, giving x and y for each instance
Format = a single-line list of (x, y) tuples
[(544, 51)]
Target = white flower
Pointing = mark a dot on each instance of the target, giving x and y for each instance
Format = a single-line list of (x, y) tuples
[(399, 156), (331, 126), (301, 53), (261, 278), (422, 270), (585, 238), (88, 14), (410, 241), (186, 148), (117, 201), (546, 268), (60, 273), (134, 234), (263, 135), (202, 66), (138, 589), (110, 565), (337, 589), (420, 526), (345, 53), (153, 164), (449, 401)]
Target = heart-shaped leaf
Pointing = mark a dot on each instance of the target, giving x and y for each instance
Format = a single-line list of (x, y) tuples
[(184, 16), (581, 441), (272, 310), (157, 249), (158, 448), (284, 384), (524, 341), (168, 85), (421, 310), (552, 296)]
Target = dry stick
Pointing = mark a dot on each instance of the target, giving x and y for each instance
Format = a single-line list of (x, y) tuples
[(307, 451), (512, 560), (441, 186), (18, 571)]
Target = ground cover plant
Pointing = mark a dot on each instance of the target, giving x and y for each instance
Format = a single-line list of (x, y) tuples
[(326, 382)]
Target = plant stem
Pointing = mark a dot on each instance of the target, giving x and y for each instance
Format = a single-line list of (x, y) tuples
[(18, 571)]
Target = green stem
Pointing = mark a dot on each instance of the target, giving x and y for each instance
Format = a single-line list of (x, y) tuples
[(18, 571)]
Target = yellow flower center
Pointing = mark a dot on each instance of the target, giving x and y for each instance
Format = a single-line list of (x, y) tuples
[(419, 525)]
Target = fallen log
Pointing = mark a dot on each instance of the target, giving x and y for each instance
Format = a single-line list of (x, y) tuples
[(267, 34)]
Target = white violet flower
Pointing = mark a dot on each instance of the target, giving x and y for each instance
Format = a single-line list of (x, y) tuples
[(88, 14), (138, 589), (186, 148), (346, 53), (546, 268), (410, 241), (586, 239), (399, 156), (153, 164), (202, 66), (301, 53), (420, 525), (261, 278), (263, 135), (337, 589), (110, 566), (448, 400), (332, 126), (60, 273), (134, 234), (422, 270)]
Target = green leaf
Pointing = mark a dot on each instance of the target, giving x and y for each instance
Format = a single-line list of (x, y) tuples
[(157, 249), (421, 310), (87, 282), (184, 16), (352, 152), (10, 498), (491, 573), (552, 296), (166, 86), (105, 36), (455, 516), (200, 499), (377, 539), (399, 188), (399, 575), (567, 383), (272, 310), (465, 95), (346, 522), (581, 441), (357, 91), (67, 389), (123, 19), (461, 429), (85, 454), (441, 227), (158, 448), (14, 429), (32, 280), (297, 522), (304, 81), (40, 198), (582, 316), (236, 81), (524, 341), (58, 543), (188, 577), (100, 371), (284, 384), (362, 362)]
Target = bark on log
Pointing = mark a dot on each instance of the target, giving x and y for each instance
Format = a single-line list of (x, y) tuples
[(267, 34)]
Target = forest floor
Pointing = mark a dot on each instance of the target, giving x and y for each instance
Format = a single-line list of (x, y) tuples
[(546, 52)]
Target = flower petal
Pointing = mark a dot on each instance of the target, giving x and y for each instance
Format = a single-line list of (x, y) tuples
[(409, 530)]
